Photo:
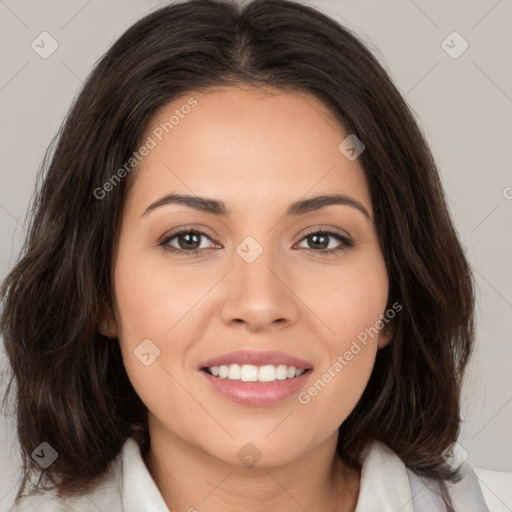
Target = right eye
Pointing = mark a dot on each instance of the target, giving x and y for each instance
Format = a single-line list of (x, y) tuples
[(188, 240)]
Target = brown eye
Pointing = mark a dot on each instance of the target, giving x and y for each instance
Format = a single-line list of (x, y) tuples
[(318, 241), (188, 241)]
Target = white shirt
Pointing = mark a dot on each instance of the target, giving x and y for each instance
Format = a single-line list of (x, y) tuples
[(384, 487)]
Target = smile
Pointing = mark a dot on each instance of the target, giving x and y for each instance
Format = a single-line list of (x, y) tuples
[(253, 373)]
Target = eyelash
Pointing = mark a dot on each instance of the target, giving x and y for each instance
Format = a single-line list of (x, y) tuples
[(346, 243)]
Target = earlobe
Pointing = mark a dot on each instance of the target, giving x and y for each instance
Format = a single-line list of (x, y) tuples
[(107, 324), (386, 334)]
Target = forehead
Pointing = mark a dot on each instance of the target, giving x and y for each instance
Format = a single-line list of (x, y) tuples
[(247, 144)]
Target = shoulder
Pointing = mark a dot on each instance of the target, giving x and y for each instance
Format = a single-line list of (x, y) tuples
[(42, 501), (105, 495), (385, 475), (45, 500), (496, 488)]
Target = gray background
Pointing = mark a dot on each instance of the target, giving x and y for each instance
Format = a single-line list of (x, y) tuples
[(464, 106)]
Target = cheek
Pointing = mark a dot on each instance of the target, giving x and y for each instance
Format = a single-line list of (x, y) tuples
[(159, 313), (151, 343), (350, 302), (337, 387), (347, 299), (351, 347), (152, 297)]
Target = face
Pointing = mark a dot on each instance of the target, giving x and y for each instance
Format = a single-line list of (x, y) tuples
[(287, 288)]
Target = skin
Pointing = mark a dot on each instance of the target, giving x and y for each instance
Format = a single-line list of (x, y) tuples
[(258, 150)]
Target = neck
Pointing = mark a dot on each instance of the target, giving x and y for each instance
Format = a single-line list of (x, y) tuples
[(190, 479)]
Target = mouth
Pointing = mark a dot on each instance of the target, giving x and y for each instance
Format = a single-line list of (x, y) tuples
[(247, 384), (255, 378)]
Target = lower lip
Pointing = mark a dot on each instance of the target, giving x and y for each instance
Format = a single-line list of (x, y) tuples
[(256, 393)]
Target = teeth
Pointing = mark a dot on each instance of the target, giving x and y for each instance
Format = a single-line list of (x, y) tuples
[(234, 372), (248, 373), (252, 373), (282, 372), (267, 373)]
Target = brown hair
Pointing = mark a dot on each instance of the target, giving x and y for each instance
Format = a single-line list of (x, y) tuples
[(72, 388)]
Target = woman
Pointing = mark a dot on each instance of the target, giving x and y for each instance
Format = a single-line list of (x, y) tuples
[(241, 287)]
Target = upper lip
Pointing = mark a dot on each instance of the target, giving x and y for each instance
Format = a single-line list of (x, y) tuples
[(257, 358)]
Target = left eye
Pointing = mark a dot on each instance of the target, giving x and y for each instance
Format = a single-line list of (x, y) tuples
[(320, 237)]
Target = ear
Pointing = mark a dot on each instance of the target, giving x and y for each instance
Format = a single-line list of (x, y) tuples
[(107, 323), (386, 333)]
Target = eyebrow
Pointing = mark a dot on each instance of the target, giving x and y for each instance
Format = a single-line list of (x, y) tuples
[(216, 207)]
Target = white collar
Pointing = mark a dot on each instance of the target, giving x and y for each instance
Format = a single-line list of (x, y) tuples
[(384, 481), (139, 489), (385, 484)]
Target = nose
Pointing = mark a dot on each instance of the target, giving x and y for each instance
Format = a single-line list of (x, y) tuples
[(259, 295)]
